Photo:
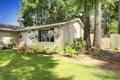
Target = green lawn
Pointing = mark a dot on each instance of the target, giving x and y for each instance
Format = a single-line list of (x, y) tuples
[(15, 66)]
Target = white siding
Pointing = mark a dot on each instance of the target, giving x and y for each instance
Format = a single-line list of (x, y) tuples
[(58, 41), (72, 31), (67, 33), (7, 37)]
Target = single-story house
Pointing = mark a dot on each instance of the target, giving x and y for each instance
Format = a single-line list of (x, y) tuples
[(8, 34), (57, 34)]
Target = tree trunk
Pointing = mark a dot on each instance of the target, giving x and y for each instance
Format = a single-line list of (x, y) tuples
[(46, 15), (36, 18), (119, 19), (105, 22), (97, 33), (87, 28)]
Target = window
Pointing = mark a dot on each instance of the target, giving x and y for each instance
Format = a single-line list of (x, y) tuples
[(46, 35)]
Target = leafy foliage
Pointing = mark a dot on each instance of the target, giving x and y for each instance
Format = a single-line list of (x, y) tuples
[(59, 50), (61, 10), (9, 46), (112, 29), (111, 6), (40, 49), (79, 44), (31, 12), (72, 52), (37, 12), (37, 47), (96, 52)]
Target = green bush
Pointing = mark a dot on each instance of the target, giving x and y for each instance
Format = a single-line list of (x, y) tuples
[(79, 44), (117, 48), (112, 27), (50, 49), (40, 49), (9, 46), (5, 47), (72, 52), (32, 45), (96, 52), (59, 50), (37, 47)]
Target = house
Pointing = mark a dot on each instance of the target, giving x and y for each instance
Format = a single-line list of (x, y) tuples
[(8, 34), (57, 34)]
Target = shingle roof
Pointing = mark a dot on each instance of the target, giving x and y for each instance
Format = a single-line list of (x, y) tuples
[(52, 25), (17, 28), (9, 27)]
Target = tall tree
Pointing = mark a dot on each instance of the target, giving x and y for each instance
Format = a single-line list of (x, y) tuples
[(87, 5), (61, 10), (110, 11), (46, 11), (35, 8), (119, 19), (25, 16), (105, 21), (57, 11), (97, 33), (87, 24)]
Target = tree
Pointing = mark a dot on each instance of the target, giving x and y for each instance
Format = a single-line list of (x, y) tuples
[(88, 6), (34, 9), (87, 25), (61, 10), (46, 11), (110, 11), (97, 33), (57, 11), (119, 19), (24, 16)]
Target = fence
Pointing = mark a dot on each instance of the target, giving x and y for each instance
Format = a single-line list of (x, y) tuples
[(111, 42), (115, 41)]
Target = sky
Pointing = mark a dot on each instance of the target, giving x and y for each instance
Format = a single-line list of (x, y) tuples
[(7, 11)]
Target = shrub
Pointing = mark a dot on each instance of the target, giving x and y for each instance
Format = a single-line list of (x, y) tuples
[(96, 52), (40, 49), (32, 45), (50, 49), (72, 52), (37, 47), (59, 50), (112, 27), (79, 44), (9, 46), (117, 48), (5, 47)]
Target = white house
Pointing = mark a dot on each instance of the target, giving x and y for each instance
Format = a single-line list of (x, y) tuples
[(57, 34)]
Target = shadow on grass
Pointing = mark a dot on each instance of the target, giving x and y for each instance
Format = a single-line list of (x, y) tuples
[(20, 67), (100, 74), (111, 59)]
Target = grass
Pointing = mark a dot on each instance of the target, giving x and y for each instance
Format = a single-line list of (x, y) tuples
[(41, 67)]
